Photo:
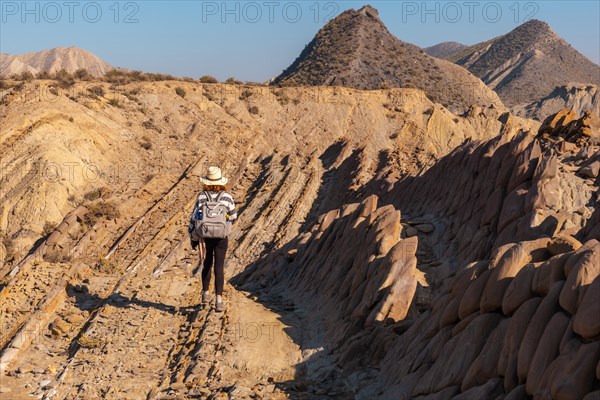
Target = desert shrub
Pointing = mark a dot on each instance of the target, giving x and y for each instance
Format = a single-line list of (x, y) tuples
[(10, 247), (210, 96), (53, 90), (149, 124), (97, 90), (208, 79), (57, 256), (114, 102), (101, 210), (19, 87), (180, 91), (25, 76), (146, 145), (233, 81), (245, 94), (148, 178), (95, 194), (253, 110), (64, 79), (105, 266), (43, 75), (82, 74), (48, 228), (117, 77)]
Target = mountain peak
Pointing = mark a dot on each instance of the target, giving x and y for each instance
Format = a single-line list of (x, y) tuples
[(535, 25), (527, 63), (356, 49), (52, 60), (369, 11)]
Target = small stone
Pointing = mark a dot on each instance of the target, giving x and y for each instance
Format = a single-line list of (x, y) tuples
[(563, 244), (411, 231), (204, 391), (45, 383), (591, 171), (23, 370), (75, 319), (60, 327), (425, 228), (178, 386), (269, 388), (52, 369)]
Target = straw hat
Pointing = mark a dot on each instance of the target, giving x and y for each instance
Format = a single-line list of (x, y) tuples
[(214, 177)]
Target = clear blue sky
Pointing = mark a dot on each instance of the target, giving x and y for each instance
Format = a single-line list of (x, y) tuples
[(256, 40)]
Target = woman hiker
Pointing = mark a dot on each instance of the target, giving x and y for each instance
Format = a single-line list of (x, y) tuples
[(209, 228)]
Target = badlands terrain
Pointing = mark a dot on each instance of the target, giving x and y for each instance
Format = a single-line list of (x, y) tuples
[(386, 247), (404, 231)]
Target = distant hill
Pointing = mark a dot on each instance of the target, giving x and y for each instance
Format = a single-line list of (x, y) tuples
[(527, 64), (356, 50), (579, 98), (68, 58), (445, 49), (10, 65)]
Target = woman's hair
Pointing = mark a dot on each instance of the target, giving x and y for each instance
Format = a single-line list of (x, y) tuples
[(215, 188)]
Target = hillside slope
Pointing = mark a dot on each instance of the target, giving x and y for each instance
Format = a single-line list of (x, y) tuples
[(112, 269), (478, 279), (69, 59), (528, 63), (579, 98), (444, 49), (356, 50)]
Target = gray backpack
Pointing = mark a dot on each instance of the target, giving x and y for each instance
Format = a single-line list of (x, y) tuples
[(212, 223)]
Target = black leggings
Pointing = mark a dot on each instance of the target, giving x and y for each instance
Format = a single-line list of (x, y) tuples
[(215, 254)]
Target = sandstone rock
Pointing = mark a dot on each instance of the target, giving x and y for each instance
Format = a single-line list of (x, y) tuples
[(591, 171), (446, 394), (592, 395), (580, 276), (425, 228), (485, 366), (411, 231), (547, 350), (518, 393), (368, 206), (60, 327), (507, 362), (472, 297), (489, 390), (507, 267), (457, 356), (587, 319), (563, 244), (547, 308), (513, 206), (548, 273), (519, 289), (574, 379), (555, 122)]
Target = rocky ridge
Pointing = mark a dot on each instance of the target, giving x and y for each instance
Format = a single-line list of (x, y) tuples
[(356, 50)]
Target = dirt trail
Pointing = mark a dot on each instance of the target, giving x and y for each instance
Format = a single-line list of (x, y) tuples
[(139, 331)]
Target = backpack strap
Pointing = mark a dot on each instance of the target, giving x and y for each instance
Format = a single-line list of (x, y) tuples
[(219, 196), (207, 194)]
